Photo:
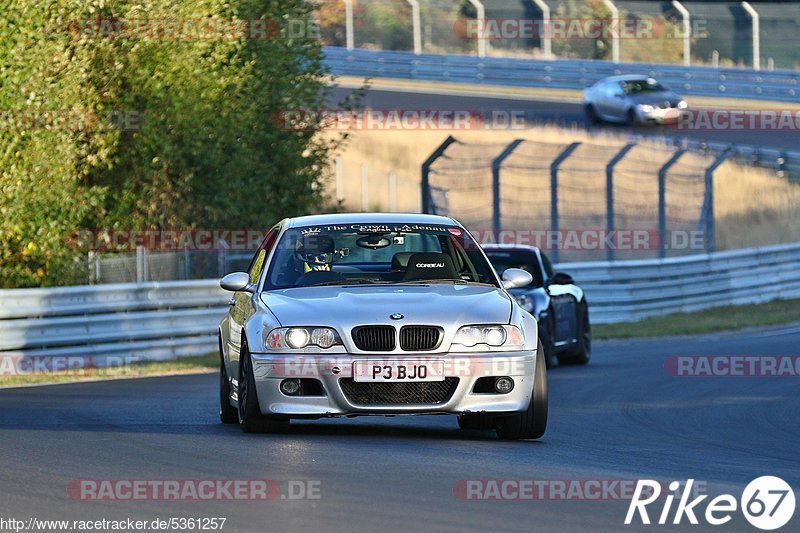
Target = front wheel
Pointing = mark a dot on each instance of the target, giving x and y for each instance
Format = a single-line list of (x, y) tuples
[(582, 353), (592, 119), (531, 423), (249, 413)]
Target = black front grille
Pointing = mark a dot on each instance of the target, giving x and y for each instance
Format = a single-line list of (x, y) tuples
[(419, 338), (396, 393), (374, 338)]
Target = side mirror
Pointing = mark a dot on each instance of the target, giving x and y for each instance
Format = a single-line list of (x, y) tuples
[(561, 278), (236, 281), (514, 278)]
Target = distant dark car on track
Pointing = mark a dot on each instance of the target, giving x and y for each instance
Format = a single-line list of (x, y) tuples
[(553, 298)]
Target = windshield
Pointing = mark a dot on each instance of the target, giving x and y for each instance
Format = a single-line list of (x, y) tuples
[(502, 261), (346, 254), (642, 86)]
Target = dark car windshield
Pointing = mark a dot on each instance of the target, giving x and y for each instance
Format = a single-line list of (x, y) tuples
[(526, 260), (355, 254), (642, 86)]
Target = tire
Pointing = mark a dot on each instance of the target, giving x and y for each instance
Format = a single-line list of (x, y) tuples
[(249, 413), (591, 116), (582, 353), (478, 421), (532, 422), (227, 413)]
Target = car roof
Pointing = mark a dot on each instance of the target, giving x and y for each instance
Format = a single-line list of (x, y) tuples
[(369, 218), (627, 77)]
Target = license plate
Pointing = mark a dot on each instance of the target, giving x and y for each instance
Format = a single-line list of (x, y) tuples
[(388, 371)]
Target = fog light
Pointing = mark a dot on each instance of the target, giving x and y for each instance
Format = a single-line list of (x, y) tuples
[(290, 387), (504, 385)]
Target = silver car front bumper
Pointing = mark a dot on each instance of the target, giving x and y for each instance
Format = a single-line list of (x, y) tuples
[(271, 369)]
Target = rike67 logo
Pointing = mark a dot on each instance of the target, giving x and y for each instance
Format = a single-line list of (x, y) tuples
[(767, 502)]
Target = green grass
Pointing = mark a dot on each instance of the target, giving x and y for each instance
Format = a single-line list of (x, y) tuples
[(183, 365), (718, 319)]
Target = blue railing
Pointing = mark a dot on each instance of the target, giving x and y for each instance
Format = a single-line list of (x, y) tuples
[(778, 85)]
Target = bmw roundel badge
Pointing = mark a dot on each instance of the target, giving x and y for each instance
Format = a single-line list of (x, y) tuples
[(396, 316)]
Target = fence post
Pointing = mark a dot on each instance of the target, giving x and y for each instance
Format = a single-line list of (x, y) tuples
[(348, 16), (547, 38), (708, 204), (416, 26), (756, 32), (497, 163), (426, 169), (662, 201), (687, 32), (610, 225), (480, 15), (615, 35), (554, 191)]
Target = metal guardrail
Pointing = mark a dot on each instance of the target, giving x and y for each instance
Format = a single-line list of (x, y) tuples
[(112, 323), (155, 321), (622, 291), (778, 85)]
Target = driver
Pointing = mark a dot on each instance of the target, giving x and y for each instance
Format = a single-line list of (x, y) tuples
[(316, 252)]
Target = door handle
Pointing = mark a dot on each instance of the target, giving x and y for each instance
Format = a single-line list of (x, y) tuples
[(232, 301)]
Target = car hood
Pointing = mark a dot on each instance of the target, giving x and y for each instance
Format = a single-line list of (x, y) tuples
[(656, 99), (343, 307)]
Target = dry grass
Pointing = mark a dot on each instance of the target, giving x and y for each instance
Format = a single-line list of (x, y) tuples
[(753, 206)]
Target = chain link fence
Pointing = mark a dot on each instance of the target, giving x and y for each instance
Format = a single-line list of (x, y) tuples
[(581, 201)]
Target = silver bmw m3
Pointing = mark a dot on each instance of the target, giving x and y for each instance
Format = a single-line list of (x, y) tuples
[(379, 314)]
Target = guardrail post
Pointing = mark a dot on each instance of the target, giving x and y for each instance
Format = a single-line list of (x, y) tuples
[(662, 201), (615, 23), (348, 22), (687, 32), (547, 38), (480, 15), (610, 191), (416, 25), (554, 191), (756, 34), (426, 170), (708, 203), (496, 165)]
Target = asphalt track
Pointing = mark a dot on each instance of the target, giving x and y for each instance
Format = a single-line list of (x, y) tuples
[(553, 111), (623, 417)]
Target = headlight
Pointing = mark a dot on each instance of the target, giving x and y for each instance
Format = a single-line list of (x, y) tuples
[(682, 104), (492, 337), (297, 338), (526, 302), (646, 108)]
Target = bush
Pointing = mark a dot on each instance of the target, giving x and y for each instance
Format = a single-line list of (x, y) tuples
[(160, 132)]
